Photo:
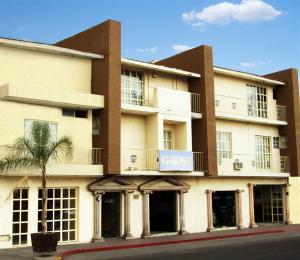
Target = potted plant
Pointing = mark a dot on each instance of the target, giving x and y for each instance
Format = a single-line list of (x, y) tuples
[(35, 151)]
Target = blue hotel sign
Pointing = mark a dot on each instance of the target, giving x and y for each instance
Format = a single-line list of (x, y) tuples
[(170, 160)]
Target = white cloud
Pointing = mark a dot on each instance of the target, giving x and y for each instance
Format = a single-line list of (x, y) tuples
[(21, 28), (255, 64), (150, 50), (226, 12), (180, 47)]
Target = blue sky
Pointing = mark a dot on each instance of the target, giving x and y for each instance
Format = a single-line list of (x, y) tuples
[(257, 36)]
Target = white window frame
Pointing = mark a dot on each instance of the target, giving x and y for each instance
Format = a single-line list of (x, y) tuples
[(132, 87), (224, 146), (168, 141), (28, 127), (257, 101), (263, 152), (56, 208), (22, 220)]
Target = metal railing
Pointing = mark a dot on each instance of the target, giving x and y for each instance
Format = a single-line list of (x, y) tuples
[(198, 161), (146, 97), (236, 106), (251, 163), (96, 156), (281, 113), (195, 103), (148, 160), (285, 164)]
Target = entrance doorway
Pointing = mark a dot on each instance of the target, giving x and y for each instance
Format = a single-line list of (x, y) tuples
[(163, 211), (224, 212), (111, 214), (268, 204)]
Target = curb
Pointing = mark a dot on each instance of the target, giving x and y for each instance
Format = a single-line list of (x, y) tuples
[(162, 243)]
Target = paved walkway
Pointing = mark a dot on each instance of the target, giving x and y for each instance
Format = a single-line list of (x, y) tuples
[(121, 244)]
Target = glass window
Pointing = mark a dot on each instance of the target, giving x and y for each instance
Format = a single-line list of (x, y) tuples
[(132, 87), (263, 152), (224, 145), (257, 101), (28, 128), (61, 213), (20, 217), (168, 140)]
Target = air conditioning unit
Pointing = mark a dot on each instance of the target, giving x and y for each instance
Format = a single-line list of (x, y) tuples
[(237, 165)]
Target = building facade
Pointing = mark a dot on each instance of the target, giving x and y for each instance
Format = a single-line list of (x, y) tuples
[(176, 146)]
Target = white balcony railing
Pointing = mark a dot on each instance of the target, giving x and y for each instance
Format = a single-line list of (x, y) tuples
[(233, 106), (144, 97), (148, 160), (247, 163), (84, 156)]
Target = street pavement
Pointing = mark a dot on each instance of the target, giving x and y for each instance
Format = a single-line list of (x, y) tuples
[(279, 246), (283, 243)]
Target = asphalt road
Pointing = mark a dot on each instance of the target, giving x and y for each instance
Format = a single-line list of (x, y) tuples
[(284, 246)]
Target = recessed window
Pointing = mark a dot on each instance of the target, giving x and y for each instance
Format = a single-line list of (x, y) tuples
[(168, 140), (263, 152), (257, 101), (75, 113), (20, 217), (61, 212), (224, 146)]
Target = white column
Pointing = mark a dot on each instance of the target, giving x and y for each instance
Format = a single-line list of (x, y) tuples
[(210, 224), (286, 204), (127, 232), (251, 205), (239, 209), (146, 224), (182, 230), (97, 217)]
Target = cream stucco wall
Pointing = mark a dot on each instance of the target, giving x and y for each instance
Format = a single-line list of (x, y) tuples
[(229, 90), (294, 195), (195, 209), (44, 70), (243, 147), (84, 205)]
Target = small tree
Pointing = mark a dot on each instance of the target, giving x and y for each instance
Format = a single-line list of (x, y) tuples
[(35, 152)]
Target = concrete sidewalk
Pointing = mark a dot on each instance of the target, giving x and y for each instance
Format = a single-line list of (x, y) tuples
[(121, 244)]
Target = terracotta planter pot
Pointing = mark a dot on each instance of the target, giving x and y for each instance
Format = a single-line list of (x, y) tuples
[(44, 244)]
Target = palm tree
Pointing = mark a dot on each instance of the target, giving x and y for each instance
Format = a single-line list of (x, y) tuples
[(35, 152)]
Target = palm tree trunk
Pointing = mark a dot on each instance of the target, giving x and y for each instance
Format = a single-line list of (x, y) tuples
[(44, 200)]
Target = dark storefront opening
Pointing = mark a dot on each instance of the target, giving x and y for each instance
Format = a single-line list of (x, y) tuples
[(163, 211), (268, 204), (224, 213), (111, 214)]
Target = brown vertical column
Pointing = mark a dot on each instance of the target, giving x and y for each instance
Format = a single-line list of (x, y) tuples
[(200, 60), (286, 204), (288, 95), (251, 205), (182, 230), (127, 232), (210, 224), (239, 209), (106, 80)]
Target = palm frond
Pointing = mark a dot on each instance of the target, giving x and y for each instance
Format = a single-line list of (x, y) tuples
[(12, 162), (62, 147)]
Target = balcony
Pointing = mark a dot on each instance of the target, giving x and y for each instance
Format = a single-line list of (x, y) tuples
[(133, 160), (234, 108), (252, 165), (141, 102), (86, 162)]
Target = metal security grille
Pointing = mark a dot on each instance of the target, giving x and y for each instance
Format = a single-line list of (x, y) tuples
[(263, 152), (132, 90), (257, 101), (61, 213), (20, 217), (224, 145)]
